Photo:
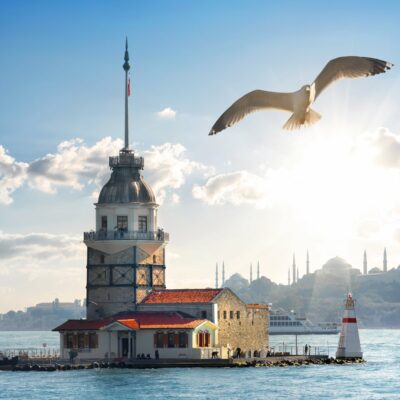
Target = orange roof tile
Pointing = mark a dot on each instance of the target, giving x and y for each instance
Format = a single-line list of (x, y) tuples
[(136, 320), (181, 296)]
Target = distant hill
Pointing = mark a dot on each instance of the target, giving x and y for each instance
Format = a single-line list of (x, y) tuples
[(42, 317), (320, 295)]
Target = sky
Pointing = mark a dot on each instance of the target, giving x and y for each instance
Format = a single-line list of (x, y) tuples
[(252, 193)]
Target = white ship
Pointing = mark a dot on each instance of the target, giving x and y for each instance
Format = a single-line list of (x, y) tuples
[(282, 322)]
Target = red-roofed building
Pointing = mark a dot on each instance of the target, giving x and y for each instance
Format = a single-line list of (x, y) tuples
[(125, 335), (240, 325)]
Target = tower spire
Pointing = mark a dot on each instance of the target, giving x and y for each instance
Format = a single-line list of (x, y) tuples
[(126, 68), (365, 264), (216, 276), (308, 264), (294, 269), (384, 261), (288, 277), (258, 269)]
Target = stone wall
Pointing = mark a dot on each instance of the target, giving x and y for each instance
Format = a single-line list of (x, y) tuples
[(116, 283), (241, 326)]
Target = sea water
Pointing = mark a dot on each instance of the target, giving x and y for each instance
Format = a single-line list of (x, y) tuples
[(378, 378)]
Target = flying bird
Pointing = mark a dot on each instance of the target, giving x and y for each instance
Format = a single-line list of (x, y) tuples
[(299, 103)]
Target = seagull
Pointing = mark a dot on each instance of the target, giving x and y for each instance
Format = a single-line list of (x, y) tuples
[(299, 103)]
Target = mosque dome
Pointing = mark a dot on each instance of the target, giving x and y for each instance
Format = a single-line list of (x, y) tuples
[(126, 185)]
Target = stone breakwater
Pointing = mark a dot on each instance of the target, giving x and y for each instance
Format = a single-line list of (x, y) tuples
[(297, 362), (236, 363)]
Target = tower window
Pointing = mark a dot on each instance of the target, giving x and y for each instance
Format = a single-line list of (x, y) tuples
[(224, 314), (104, 222), (142, 223), (204, 314), (122, 222), (238, 314), (102, 258), (231, 314)]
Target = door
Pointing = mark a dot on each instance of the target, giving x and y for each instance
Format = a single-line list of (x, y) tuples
[(125, 347)]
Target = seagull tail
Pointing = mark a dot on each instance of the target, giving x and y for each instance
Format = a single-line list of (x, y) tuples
[(296, 121)]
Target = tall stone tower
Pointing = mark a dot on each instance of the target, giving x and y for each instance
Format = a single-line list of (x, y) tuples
[(126, 252)]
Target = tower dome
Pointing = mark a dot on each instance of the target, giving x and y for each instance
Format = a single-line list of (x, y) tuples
[(126, 185)]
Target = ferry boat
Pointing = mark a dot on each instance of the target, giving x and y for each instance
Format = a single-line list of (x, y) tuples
[(282, 322)]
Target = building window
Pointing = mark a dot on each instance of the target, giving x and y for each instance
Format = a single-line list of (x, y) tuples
[(102, 258), (122, 222), (238, 314), (204, 314), (69, 341), (104, 222), (81, 341), (171, 339), (203, 339), (183, 339), (231, 314), (224, 314), (142, 223), (159, 340), (93, 341)]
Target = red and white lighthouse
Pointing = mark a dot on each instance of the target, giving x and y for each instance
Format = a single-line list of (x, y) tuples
[(349, 340)]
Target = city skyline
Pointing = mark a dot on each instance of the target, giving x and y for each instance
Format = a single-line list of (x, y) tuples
[(251, 193)]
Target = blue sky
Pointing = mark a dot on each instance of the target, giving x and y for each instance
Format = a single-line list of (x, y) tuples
[(61, 79)]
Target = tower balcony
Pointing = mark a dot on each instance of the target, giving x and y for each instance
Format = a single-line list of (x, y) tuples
[(126, 159), (121, 234)]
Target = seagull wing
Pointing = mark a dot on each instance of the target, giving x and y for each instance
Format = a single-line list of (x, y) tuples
[(254, 101), (348, 67)]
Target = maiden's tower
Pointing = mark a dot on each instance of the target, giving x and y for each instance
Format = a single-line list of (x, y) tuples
[(126, 252)]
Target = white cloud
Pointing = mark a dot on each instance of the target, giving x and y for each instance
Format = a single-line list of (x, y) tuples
[(39, 246), (38, 266), (168, 167), (74, 165), (12, 175), (77, 166), (383, 146), (167, 113), (241, 187)]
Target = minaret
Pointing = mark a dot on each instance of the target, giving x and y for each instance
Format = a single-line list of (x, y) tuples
[(258, 269), (297, 278), (294, 269), (251, 272), (384, 261), (126, 68), (308, 264), (126, 252), (365, 264), (223, 273), (216, 276), (288, 277)]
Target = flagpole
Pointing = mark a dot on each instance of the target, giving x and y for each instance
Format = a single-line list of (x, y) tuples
[(126, 67)]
